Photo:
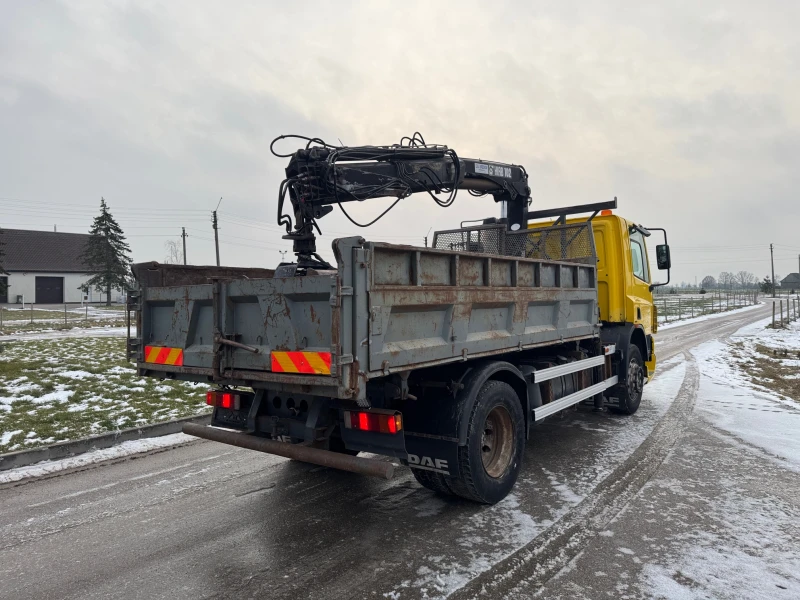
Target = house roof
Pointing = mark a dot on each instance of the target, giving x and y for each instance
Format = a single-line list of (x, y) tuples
[(26, 250), (791, 278)]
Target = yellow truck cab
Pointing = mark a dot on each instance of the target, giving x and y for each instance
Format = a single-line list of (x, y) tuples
[(625, 294), (623, 282)]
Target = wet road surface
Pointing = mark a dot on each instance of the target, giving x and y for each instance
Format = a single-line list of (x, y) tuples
[(206, 520)]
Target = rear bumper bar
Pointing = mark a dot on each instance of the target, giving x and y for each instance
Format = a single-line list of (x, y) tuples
[(323, 458)]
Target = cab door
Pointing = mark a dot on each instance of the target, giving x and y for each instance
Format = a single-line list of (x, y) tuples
[(639, 295)]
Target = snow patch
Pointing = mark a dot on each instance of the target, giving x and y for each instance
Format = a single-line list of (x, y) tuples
[(77, 374), (731, 402), (94, 456), (6, 436)]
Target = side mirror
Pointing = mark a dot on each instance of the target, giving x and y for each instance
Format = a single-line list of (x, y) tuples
[(662, 257)]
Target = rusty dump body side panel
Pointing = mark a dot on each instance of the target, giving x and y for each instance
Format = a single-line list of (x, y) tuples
[(386, 309)]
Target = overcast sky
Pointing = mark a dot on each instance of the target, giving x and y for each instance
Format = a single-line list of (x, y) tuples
[(688, 112)]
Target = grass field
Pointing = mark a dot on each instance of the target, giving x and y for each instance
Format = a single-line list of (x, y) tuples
[(772, 359), (18, 320), (61, 389)]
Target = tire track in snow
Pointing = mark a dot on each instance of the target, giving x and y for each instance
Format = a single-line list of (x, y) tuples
[(534, 564)]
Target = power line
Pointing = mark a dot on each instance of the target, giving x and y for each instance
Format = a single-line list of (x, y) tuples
[(49, 204)]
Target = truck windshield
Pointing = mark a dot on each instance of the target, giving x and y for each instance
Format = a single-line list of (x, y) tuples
[(639, 257)]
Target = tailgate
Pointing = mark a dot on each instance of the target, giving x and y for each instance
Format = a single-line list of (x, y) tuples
[(244, 324)]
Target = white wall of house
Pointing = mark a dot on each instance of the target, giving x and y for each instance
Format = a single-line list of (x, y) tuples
[(25, 284)]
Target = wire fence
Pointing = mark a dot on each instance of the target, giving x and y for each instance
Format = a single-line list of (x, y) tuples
[(677, 307), (781, 320), (57, 316)]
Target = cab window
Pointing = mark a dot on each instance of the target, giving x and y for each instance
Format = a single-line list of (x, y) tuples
[(639, 257)]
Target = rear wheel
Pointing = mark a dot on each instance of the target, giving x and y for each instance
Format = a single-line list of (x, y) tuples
[(630, 392), (489, 463)]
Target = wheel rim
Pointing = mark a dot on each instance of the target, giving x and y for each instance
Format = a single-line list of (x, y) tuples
[(635, 379), (497, 442)]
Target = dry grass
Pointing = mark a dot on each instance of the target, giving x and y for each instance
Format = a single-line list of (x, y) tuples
[(776, 368)]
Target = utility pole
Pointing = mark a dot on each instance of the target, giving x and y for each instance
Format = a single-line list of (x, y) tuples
[(183, 235), (283, 254), (772, 262), (426, 236), (216, 229)]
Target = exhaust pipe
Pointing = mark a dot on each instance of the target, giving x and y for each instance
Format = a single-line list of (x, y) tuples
[(315, 456)]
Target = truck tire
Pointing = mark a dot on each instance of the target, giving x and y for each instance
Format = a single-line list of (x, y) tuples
[(630, 392), (433, 481), (489, 463)]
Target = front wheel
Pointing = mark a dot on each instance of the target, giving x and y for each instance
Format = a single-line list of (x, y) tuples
[(489, 463), (630, 392)]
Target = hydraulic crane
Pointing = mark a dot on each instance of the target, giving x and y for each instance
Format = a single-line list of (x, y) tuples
[(321, 175), (443, 358)]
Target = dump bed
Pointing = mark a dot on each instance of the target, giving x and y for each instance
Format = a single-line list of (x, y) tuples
[(386, 308)]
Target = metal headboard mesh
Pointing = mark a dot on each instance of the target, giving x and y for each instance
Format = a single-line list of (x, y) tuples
[(571, 243)]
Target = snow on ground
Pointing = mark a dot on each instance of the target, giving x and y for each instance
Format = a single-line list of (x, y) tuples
[(736, 398), (671, 324), (53, 334), (750, 552), (95, 456), (73, 387), (745, 543), (495, 532), (17, 321)]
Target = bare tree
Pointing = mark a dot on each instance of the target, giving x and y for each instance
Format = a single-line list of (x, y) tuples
[(708, 282), (174, 253), (745, 279), (726, 279)]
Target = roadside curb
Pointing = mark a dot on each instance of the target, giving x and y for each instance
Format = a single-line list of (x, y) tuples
[(23, 458)]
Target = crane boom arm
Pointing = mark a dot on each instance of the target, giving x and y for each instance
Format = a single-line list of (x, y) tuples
[(320, 176)]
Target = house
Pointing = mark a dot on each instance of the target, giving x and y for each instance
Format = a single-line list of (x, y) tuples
[(44, 267), (791, 281)]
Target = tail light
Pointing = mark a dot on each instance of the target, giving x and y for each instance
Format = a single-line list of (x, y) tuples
[(374, 422), (227, 400)]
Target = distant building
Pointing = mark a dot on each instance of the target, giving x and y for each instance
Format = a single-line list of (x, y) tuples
[(45, 267), (791, 281)]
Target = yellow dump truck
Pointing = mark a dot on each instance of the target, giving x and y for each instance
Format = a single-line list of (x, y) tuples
[(441, 357)]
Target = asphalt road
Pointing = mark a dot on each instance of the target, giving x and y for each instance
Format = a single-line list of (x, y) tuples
[(206, 520)]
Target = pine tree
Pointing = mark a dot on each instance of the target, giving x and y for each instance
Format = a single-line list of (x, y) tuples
[(107, 254)]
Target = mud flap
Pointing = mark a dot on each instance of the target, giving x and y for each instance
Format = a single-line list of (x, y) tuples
[(430, 454), (377, 443)]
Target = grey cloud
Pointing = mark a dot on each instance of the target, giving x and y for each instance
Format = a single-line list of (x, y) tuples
[(722, 110), (687, 112)]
